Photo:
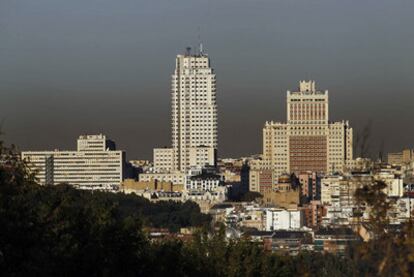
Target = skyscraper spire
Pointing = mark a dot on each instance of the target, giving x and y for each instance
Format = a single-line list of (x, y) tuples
[(201, 49)]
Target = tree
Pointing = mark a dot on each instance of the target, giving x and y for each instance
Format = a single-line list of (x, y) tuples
[(373, 197)]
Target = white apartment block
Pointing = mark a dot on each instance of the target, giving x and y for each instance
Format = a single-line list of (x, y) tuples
[(93, 166), (308, 141), (338, 195), (402, 210), (278, 219), (193, 113), (338, 199), (395, 184)]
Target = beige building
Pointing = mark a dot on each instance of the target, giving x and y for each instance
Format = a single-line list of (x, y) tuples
[(131, 185), (359, 164), (400, 158), (260, 177), (260, 180), (202, 156), (395, 158), (163, 159), (407, 155), (94, 165), (308, 141), (193, 115), (176, 178)]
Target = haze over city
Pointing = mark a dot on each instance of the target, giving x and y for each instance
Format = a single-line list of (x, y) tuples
[(206, 138), (80, 67)]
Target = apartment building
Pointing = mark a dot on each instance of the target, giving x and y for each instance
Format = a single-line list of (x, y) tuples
[(94, 165)]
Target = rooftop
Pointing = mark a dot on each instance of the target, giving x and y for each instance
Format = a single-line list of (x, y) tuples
[(290, 234)]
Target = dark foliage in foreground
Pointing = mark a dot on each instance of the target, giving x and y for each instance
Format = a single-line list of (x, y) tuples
[(163, 214)]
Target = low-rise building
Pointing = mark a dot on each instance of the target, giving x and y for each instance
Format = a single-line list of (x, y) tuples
[(359, 165), (406, 156), (401, 210), (203, 180), (280, 219), (395, 158), (206, 199), (338, 196), (133, 186), (260, 180), (291, 242), (313, 213), (177, 178), (394, 182), (163, 160), (334, 240)]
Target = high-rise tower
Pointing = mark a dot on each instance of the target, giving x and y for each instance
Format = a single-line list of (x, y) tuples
[(308, 141), (193, 115)]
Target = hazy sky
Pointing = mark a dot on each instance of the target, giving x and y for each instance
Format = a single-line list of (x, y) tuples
[(90, 66)]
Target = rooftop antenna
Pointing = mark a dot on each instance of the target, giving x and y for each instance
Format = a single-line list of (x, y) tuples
[(201, 49), (381, 151), (200, 44)]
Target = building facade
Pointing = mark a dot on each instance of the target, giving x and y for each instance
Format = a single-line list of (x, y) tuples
[(95, 165), (204, 182), (163, 160), (193, 114), (280, 219), (400, 158), (310, 185), (176, 178), (308, 141), (338, 196)]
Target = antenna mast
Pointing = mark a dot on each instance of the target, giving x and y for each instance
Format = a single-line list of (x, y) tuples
[(200, 44)]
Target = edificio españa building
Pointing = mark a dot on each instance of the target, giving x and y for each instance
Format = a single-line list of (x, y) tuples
[(308, 141), (193, 115), (95, 165)]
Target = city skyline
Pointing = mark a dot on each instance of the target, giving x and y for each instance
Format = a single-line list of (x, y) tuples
[(206, 138), (83, 80)]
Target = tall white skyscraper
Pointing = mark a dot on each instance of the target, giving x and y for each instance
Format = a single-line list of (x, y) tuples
[(193, 115)]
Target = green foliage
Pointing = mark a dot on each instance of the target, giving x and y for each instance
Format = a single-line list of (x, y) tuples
[(55, 231), (163, 214), (373, 196), (49, 231), (389, 253)]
